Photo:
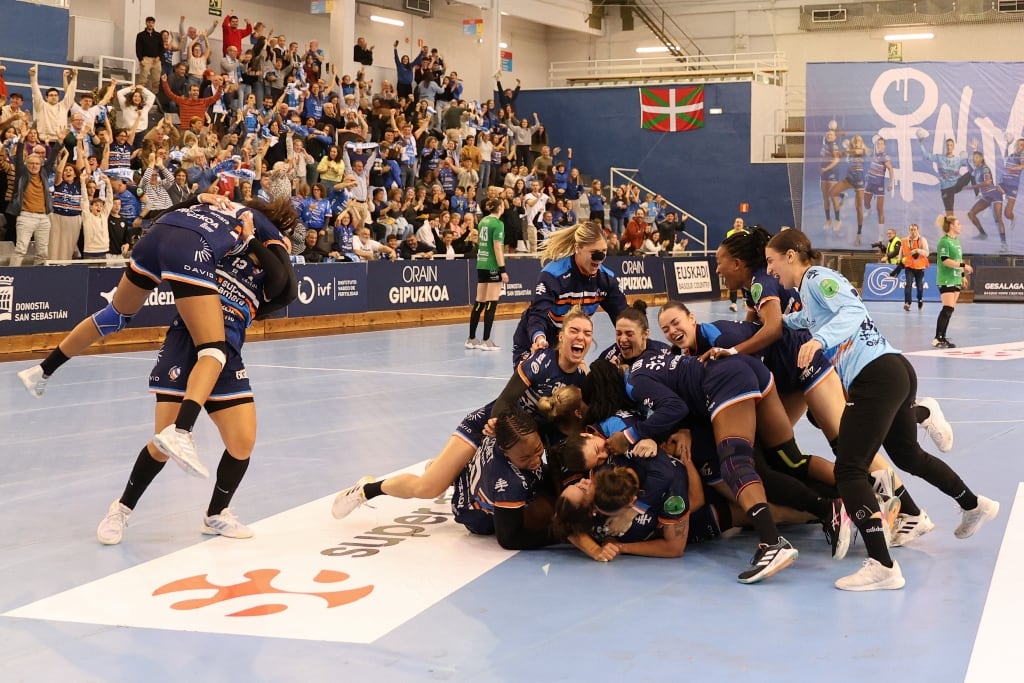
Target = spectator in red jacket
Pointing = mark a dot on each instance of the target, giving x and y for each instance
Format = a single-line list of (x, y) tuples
[(232, 34), (191, 106)]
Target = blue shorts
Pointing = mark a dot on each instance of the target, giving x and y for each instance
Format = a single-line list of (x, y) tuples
[(830, 176), (471, 429), (704, 452), (176, 360), (781, 357), (166, 252), (856, 180), (875, 185), (732, 379), (1011, 188), (464, 508)]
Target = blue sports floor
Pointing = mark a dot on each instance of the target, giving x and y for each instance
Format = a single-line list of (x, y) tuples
[(399, 593)]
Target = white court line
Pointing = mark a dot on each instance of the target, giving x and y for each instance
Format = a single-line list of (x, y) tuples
[(375, 372), (998, 638)]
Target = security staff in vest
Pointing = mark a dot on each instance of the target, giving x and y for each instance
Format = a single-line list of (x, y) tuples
[(915, 260), (891, 251)]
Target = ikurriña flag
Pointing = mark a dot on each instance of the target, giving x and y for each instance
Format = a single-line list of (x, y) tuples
[(672, 109)]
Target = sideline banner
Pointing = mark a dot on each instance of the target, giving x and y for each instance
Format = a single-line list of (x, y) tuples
[(329, 289), (38, 299), (999, 283), (880, 286), (523, 274), (158, 311), (638, 275), (418, 284), (692, 278)]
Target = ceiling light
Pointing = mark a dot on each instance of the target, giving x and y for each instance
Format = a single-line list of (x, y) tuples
[(656, 48), (387, 20), (502, 44), (910, 36)]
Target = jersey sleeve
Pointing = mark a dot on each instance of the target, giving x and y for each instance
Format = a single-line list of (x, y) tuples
[(666, 408)]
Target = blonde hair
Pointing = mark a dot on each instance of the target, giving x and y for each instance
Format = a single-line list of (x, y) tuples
[(564, 242), (561, 404)]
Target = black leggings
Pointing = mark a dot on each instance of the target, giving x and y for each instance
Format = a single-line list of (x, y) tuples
[(880, 412)]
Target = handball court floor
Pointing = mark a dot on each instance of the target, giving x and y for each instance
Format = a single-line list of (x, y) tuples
[(398, 592)]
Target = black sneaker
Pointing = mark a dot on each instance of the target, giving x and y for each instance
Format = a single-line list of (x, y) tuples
[(920, 305), (949, 344), (769, 560)]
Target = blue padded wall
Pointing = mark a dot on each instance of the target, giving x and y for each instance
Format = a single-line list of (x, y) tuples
[(706, 171), (33, 32)]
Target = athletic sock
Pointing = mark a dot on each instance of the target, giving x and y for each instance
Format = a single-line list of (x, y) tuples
[(966, 499), (907, 504), (874, 540), (373, 489), (761, 519), (942, 324), (787, 457), (145, 470), (229, 475), (53, 361), (474, 318), (489, 311), (188, 413), (921, 414)]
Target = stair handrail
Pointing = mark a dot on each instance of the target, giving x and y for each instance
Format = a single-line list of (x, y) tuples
[(620, 172)]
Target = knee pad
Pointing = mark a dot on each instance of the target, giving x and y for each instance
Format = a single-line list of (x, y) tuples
[(216, 350), (737, 459), (109, 321), (787, 458)]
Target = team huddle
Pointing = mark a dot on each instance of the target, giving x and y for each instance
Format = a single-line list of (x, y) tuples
[(654, 446)]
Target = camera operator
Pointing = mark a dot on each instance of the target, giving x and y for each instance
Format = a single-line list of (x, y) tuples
[(890, 250)]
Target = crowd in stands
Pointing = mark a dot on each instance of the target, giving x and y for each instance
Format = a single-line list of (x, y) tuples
[(376, 170)]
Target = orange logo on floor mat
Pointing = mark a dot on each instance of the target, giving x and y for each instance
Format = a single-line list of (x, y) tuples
[(259, 583)]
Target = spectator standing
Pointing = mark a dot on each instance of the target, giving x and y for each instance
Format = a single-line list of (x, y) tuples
[(915, 261), (51, 111), (95, 220), (232, 35), (32, 203), (149, 47), (361, 54)]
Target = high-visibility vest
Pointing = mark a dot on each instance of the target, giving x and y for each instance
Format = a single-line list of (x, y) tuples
[(916, 262), (892, 251)]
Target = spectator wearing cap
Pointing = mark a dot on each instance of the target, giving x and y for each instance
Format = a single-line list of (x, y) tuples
[(15, 106), (561, 174), (149, 46), (232, 35)]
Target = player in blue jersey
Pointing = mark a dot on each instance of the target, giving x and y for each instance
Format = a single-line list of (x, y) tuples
[(875, 184), (573, 276), (948, 166), (537, 376), (184, 246), (733, 394), (856, 157), (828, 168), (502, 488), (989, 194), (245, 282), (1013, 164), (632, 335), (881, 388)]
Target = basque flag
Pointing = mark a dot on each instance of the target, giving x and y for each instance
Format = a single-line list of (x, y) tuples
[(672, 109)]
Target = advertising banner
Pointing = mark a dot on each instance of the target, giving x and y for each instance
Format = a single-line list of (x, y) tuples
[(523, 274), (418, 284), (638, 275), (158, 311), (34, 300), (880, 286), (999, 283), (329, 289), (908, 142), (692, 278)]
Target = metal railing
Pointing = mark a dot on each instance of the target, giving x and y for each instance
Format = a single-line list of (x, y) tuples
[(104, 67), (769, 67), (629, 175)]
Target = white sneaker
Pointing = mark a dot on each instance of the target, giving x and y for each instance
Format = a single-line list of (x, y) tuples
[(884, 482), (973, 519), (938, 428), (488, 345), (225, 524), (34, 380), (873, 576), (471, 343), (348, 500), (181, 448), (733, 308), (909, 527), (111, 529)]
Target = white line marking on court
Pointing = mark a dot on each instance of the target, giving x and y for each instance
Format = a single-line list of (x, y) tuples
[(375, 372), (998, 638)]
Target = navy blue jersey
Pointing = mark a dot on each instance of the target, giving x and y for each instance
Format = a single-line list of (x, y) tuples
[(763, 287), (542, 375), (724, 334), (983, 179), (560, 287), (663, 498), (490, 481)]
